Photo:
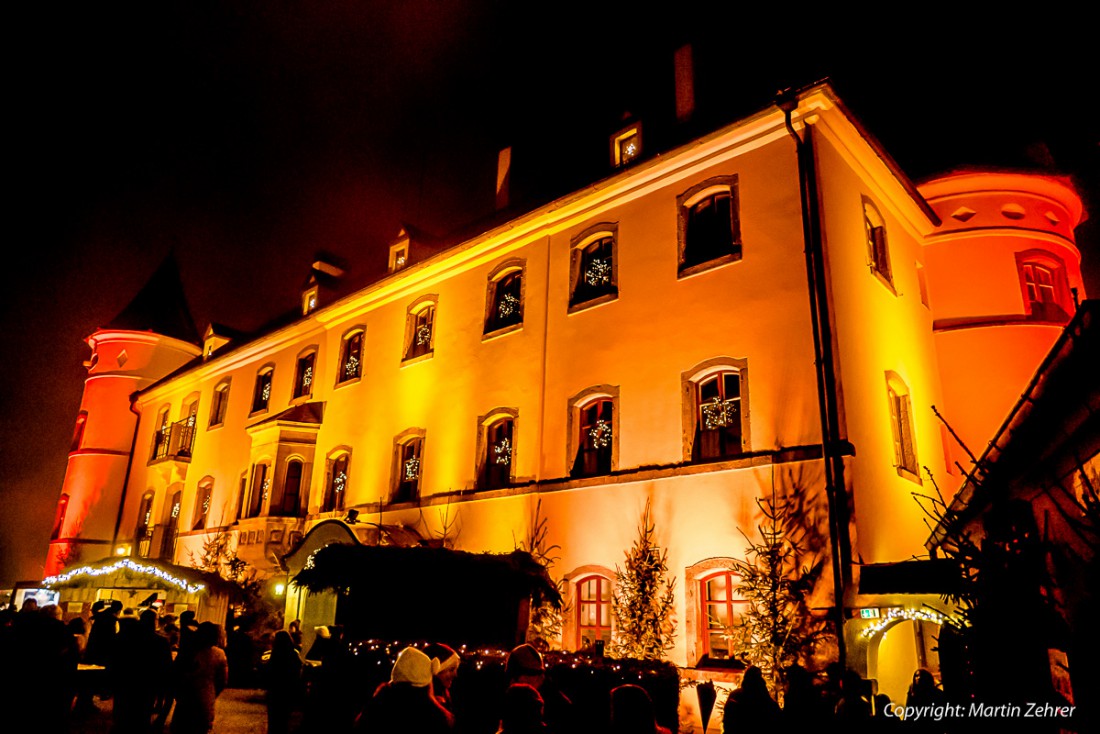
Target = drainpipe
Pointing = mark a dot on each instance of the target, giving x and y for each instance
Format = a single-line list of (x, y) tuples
[(820, 318), (126, 476)]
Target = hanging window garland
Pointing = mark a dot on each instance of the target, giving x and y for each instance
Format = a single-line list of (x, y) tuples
[(423, 334), (508, 305), (502, 452), (598, 272), (718, 413), (412, 468), (600, 434)]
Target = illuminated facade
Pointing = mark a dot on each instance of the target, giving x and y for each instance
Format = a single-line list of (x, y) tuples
[(648, 338)]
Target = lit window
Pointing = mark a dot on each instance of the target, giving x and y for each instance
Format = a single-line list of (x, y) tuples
[(497, 460), (901, 425), (710, 232), (59, 518), (595, 438), (626, 145), (171, 528), (143, 534), (261, 395), (721, 607), (1045, 290), (309, 300), (593, 270), (219, 404), (877, 252), (337, 484), (407, 470), (351, 359), (505, 301), (202, 504), (420, 330), (718, 416), (261, 488), (303, 380), (593, 611)]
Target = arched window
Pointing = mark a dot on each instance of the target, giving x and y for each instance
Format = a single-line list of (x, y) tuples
[(203, 498), (292, 490), (261, 393), (420, 329), (593, 605), (505, 299), (710, 230), (219, 403), (303, 376), (351, 357), (171, 528), (143, 533), (878, 254), (59, 518), (498, 453), (161, 436), (595, 438), (337, 484), (408, 466), (593, 266), (261, 488)]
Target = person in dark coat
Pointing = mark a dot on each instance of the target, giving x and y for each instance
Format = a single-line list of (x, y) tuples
[(525, 665), (201, 676), (802, 706), (522, 711), (632, 711), (283, 679), (140, 670), (923, 692), (751, 707), (405, 703)]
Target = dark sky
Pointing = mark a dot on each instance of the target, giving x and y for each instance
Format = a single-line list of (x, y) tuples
[(245, 136)]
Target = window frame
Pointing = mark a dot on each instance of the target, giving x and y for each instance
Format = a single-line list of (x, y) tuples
[(407, 445), (603, 609), (583, 295), (902, 427), (1058, 309), (78, 431), (489, 427), (878, 244), (143, 529), (421, 312), (219, 403), (577, 406), (355, 336), (204, 498), (731, 603), (259, 488), (692, 384), (262, 389), (334, 498), (687, 205), (172, 510), (305, 374), (508, 279)]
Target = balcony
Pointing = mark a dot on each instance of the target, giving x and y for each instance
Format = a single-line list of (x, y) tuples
[(175, 441)]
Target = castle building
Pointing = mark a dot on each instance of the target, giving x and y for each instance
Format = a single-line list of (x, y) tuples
[(770, 310)]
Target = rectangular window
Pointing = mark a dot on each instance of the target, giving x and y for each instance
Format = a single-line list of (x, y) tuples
[(709, 229), (718, 428), (407, 485), (594, 271), (594, 442), (593, 612), (722, 607), (303, 382), (219, 405), (351, 363), (505, 302), (497, 462), (901, 422), (337, 485), (421, 332)]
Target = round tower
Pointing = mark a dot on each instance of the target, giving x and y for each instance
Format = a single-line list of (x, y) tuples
[(149, 339), (1003, 276)]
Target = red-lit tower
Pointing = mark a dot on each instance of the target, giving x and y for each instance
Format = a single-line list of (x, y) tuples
[(153, 336)]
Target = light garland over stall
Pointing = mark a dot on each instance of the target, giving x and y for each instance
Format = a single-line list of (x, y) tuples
[(125, 564)]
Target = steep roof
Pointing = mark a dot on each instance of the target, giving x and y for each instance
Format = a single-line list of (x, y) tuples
[(160, 306)]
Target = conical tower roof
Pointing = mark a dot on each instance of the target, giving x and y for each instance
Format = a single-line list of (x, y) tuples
[(160, 306)]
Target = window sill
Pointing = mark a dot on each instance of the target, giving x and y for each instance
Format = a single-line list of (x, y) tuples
[(887, 282), (503, 330), (254, 413), (708, 663), (418, 358), (688, 271), (910, 475), (214, 426), (349, 381), (593, 302)]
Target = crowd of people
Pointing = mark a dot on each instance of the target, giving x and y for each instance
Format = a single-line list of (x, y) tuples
[(164, 673), (160, 672)]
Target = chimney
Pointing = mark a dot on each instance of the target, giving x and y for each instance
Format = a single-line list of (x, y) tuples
[(685, 83), (504, 176)]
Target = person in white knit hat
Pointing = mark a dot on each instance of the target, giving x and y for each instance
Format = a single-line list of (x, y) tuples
[(447, 661), (405, 703)]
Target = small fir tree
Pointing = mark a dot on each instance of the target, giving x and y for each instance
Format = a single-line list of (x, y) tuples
[(642, 601), (545, 625), (777, 628)]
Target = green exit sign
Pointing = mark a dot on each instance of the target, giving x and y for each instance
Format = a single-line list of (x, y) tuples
[(869, 613)]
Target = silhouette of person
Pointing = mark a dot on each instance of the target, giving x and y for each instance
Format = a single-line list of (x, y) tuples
[(751, 707), (632, 711)]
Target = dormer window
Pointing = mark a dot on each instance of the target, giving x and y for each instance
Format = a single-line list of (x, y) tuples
[(309, 301), (626, 145), (399, 252)]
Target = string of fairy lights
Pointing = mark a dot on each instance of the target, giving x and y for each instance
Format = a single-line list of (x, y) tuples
[(128, 564), (898, 614)]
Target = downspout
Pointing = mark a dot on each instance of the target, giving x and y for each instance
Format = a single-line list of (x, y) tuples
[(839, 539), (126, 476)]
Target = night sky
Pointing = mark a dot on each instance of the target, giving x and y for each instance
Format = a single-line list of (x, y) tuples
[(247, 136)]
